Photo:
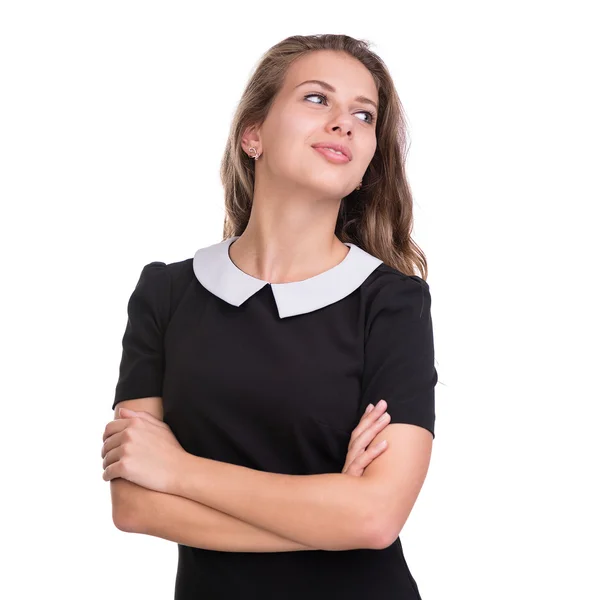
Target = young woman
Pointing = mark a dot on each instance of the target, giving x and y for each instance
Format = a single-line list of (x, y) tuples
[(251, 368)]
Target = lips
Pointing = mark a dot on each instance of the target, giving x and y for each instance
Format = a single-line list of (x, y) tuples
[(339, 147), (332, 156)]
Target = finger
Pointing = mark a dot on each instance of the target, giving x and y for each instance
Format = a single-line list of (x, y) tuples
[(113, 471), (362, 436), (359, 445), (370, 454), (112, 456), (113, 441), (114, 427), (369, 418), (144, 415), (370, 408), (362, 461), (366, 432), (374, 410)]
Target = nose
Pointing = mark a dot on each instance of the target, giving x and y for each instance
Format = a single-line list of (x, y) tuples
[(344, 128), (342, 122)]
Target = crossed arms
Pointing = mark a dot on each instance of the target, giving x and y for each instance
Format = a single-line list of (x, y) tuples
[(304, 513), (227, 507)]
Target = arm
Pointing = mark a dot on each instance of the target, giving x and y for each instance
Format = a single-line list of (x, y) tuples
[(186, 522), (330, 511), (139, 510), (400, 474)]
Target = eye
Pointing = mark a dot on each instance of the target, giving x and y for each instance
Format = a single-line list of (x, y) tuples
[(324, 97)]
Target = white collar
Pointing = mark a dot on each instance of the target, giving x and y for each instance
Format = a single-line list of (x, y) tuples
[(215, 270)]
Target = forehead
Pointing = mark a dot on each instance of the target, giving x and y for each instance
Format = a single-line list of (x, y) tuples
[(344, 72)]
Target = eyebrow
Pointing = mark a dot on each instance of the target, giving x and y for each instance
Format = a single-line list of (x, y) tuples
[(330, 88)]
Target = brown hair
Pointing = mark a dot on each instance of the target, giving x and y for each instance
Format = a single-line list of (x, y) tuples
[(378, 217)]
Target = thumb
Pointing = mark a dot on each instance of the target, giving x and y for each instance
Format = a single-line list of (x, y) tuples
[(124, 412), (127, 412)]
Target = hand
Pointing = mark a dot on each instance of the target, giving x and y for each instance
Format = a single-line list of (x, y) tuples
[(359, 457), (142, 449)]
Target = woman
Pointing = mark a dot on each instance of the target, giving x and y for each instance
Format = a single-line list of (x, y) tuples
[(253, 365)]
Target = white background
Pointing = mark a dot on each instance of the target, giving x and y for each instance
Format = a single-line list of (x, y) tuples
[(112, 126)]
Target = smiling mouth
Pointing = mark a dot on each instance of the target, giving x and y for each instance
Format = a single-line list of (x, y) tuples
[(333, 155)]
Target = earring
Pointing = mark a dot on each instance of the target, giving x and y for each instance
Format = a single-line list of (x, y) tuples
[(359, 185), (255, 155)]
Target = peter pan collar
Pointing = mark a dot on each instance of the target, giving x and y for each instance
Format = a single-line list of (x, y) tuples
[(215, 270)]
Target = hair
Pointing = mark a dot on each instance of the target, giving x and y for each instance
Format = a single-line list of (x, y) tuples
[(378, 217)]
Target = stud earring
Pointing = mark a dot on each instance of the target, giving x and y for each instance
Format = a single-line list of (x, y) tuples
[(255, 155), (359, 185)]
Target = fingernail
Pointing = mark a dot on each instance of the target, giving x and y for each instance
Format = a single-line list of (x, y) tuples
[(369, 409), (381, 444), (380, 403), (382, 418)]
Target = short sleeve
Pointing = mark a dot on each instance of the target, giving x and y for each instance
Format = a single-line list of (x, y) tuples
[(142, 360), (399, 353)]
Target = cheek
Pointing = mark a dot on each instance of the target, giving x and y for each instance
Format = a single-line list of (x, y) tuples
[(291, 128), (363, 160), (369, 144), (287, 139)]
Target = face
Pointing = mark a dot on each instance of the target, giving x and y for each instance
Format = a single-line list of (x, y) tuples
[(336, 111)]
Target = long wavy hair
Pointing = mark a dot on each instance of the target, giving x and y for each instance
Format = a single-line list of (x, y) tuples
[(378, 217)]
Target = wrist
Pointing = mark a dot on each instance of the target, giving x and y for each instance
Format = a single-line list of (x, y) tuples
[(181, 473)]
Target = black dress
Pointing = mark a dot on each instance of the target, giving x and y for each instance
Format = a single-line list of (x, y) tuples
[(275, 377)]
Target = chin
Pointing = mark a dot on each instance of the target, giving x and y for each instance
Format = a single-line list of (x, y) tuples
[(331, 186), (333, 191)]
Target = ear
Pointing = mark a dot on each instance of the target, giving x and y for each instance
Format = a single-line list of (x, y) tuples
[(251, 139)]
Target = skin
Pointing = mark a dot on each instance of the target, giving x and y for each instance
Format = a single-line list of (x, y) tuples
[(142, 448), (297, 194)]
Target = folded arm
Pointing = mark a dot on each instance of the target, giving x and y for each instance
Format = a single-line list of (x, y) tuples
[(136, 509), (332, 511), (190, 523)]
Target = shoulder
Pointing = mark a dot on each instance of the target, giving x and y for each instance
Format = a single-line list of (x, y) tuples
[(384, 275), (180, 270), (172, 278), (158, 278), (152, 277), (158, 272), (159, 289), (388, 287)]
